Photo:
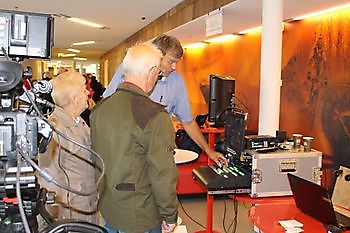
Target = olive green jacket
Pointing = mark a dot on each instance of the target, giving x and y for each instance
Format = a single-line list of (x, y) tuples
[(135, 137)]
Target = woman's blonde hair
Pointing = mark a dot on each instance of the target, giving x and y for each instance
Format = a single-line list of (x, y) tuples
[(66, 86)]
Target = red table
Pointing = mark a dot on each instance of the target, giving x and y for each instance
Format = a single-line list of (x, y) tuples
[(245, 198), (266, 216)]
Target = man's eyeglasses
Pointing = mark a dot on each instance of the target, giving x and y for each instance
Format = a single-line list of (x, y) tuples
[(171, 60)]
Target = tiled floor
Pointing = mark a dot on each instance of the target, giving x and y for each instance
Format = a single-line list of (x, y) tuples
[(195, 207)]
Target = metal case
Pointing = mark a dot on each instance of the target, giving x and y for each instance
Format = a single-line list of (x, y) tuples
[(269, 171)]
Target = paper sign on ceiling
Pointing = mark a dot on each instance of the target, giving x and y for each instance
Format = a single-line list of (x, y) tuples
[(213, 23)]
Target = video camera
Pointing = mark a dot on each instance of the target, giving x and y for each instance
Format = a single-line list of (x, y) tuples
[(20, 133), (23, 129)]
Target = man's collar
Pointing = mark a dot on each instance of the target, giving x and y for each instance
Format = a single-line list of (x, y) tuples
[(132, 88), (132, 84)]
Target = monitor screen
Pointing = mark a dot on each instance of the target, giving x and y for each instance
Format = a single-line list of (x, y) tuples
[(26, 35), (221, 98), (234, 132)]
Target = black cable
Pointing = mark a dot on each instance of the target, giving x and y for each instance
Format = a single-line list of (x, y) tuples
[(199, 224), (45, 174), (65, 174), (68, 225), (19, 196), (242, 103), (231, 224), (224, 218), (235, 207), (41, 206)]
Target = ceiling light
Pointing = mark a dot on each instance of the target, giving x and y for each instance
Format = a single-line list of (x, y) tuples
[(67, 55), (322, 12), (85, 22), (84, 42), (74, 50), (80, 58), (195, 45), (222, 38), (250, 30)]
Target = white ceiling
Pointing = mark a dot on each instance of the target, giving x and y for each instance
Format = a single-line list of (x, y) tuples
[(245, 14), (123, 18)]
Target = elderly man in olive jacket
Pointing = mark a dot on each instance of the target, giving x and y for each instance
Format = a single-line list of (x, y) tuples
[(135, 137)]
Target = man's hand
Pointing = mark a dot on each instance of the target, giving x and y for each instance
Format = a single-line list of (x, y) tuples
[(167, 227), (196, 135), (218, 158)]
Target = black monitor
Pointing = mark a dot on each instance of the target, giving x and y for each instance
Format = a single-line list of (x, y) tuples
[(26, 35), (221, 98), (234, 132)]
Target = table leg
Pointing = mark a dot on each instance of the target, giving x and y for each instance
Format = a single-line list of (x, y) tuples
[(210, 202), (210, 198)]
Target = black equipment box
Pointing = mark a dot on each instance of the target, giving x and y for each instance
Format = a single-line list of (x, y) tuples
[(259, 141), (235, 179)]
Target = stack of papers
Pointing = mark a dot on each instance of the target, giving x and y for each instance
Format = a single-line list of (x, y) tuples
[(291, 226), (180, 229)]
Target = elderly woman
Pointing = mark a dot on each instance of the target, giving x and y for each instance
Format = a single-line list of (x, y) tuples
[(67, 162)]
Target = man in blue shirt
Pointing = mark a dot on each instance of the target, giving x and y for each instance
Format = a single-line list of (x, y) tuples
[(171, 91)]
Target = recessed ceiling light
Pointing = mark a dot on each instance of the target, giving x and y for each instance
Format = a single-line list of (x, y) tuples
[(250, 30), (80, 58), (84, 42), (322, 12), (85, 22), (222, 38), (195, 45), (74, 50), (67, 55)]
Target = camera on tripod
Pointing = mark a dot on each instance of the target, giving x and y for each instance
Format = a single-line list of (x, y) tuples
[(24, 131), (24, 35), (20, 133)]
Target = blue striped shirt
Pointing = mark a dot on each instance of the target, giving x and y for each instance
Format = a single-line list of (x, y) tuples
[(169, 91)]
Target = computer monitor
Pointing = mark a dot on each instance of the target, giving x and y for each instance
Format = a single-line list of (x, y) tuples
[(234, 132), (221, 98)]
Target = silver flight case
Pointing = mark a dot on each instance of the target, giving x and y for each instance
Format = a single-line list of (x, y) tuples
[(269, 170)]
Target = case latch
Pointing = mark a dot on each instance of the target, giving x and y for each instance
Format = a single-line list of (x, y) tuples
[(256, 176)]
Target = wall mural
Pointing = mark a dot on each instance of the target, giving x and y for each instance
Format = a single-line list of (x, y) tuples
[(316, 80), (315, 95), (336, 122)]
